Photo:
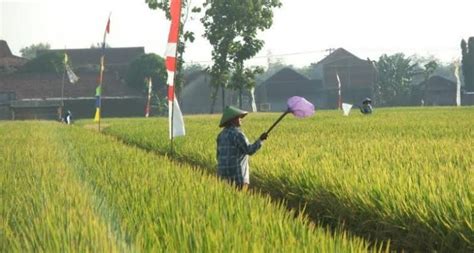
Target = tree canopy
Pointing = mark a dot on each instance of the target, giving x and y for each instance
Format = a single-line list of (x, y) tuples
[(395, 74), (30, 52), (45, 63), (145, 66), (184, 35), (468, 63), (231, 28)]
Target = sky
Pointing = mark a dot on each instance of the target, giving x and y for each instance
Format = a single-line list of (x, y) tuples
[(301, 34)]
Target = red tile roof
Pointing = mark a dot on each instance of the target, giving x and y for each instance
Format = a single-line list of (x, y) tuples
[(42, 86), (7, 58), (113, 56)]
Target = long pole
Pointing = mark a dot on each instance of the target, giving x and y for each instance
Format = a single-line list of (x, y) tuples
[(278, 120), (148, 102), (62, 91), (102, 66), (173, 45), (339, 97)]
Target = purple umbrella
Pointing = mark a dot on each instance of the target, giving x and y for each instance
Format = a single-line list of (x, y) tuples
[(298, 106)]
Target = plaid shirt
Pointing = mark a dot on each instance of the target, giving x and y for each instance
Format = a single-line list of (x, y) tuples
[(233, 150), (366, 108)]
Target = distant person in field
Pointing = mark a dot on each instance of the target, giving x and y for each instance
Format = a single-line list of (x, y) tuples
[(68, 117), (233, 148), (366, 107)]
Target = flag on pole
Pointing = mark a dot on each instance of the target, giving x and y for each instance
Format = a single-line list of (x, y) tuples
[(98, 93), (339, 98), (458, 84), (70, 74), (107, 28), (175, 117), (147, 109), (346, 108), (98, 90)]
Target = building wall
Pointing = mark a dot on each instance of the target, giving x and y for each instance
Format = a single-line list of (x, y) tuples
[(5, 112), (436, 98), (38, 113), (357, 81), (85, 108)]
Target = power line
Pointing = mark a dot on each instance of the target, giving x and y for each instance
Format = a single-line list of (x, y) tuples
[(331, 50)]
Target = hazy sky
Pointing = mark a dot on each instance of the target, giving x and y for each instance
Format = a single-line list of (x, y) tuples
[(301, 32)]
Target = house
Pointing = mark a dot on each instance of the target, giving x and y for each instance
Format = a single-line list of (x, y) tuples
[(42, 96), (439, 91), (274, 92), (356, 78), (195, 96), (46, 95), (116, 59), (8, 61)]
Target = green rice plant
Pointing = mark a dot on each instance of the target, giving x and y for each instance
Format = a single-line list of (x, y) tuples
[(110, 197), (403, 175), (43, 206)]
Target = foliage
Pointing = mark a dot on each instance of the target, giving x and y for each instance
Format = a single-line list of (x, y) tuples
[(231, 28), (468, 63), (68, 189), (244, 80), (188, 69), (430, 68), (184, 35), (403, 175), (51, 62), (145, 66), (395, 74), (31, 51)]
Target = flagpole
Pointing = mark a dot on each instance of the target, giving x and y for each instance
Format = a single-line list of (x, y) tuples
[(147, 106), (339, 86), (62, 88), (175, 69), (102, 66)]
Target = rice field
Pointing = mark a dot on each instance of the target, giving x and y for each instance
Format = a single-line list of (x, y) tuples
[(403, 175), (67, 188)]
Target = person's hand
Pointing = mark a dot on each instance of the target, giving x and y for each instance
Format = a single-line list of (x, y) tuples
[(264, 136)]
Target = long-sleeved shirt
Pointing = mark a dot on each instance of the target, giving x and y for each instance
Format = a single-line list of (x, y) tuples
[(366, 109), (233, 150)]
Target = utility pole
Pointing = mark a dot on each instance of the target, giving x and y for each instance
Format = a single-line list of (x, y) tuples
[(330, 51)]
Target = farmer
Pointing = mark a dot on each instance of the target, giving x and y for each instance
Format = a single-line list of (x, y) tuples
[(366, 107), (233, 148)]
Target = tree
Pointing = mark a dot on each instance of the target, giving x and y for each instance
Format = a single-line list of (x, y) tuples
[(231, 27), (145, 66), (45, 63), (430, 68), (31, 51), (188, 69), (246, 80), (184, 36), (395, 74), (468, 63)]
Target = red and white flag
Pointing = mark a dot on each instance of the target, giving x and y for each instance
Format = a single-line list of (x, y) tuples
[(175, 117)]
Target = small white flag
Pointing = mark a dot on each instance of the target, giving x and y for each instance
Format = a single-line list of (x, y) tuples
[(458, 84), (178, 122), (346, 108), (70, 74)]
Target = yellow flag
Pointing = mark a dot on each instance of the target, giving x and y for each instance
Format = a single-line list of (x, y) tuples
[(97, 114)]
